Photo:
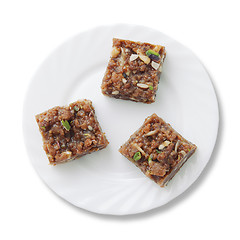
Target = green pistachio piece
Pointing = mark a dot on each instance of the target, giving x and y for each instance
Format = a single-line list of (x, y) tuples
[(66, 124), (76, 108), (137, 156), (151, 52)]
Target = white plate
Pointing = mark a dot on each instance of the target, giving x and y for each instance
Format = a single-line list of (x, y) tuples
[(106, 182)]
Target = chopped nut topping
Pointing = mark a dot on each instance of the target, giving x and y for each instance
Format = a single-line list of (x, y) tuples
[(115, 92), (115, 52), (124, 80), (177, 145), (137, 156), (87, 134), (66, 124), (183, 152), (163, 145), (90, 128), (151, 52), (76, 108), (162, 59), (122, 58), (145, 59), (133, 57), (138, 148), (142, 85), (128, 72), (150, 158), (155, 65), (151, 133), (157, 48)]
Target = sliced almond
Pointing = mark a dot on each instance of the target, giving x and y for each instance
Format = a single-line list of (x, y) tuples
[(145, 59), (115, 92), (155, 65), (133, 57), (157, 48), (177, 145), (151, 133), (138, 148), (183, 153), (142, 85), (90, 128), (122, 58), (124, 80), (162, 58), (163, 145)]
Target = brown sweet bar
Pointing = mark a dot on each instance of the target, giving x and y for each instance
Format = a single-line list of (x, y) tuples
[(133, 71), (70, 132), (158, 150)]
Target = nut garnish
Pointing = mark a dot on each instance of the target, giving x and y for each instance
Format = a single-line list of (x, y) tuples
[(150, 159), (162, 58), (133, 57), (155, 65), (153, 55), (66, 124), (145, 59), (76, 108), (137, 156), (151, 133), (157, 48), (138, 148), (177, 145), (124, 80), (163, 145), (87, 134), (142, 85), (152, 52), (115, 52), (128, 72), (90, 128), (183, 152), (115, 92), (122, 57)]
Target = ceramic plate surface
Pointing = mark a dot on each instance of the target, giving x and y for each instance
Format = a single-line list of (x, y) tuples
[(106, 182)]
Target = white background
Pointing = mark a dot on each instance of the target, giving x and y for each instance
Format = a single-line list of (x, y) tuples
[(30, 30)]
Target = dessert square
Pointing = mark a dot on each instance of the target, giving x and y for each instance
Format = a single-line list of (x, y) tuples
[(70, 132), (158, 150), (133, 71)]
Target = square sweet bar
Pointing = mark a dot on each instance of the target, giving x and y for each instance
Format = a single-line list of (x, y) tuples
[(133, 71), (158, 150), (70, 132)]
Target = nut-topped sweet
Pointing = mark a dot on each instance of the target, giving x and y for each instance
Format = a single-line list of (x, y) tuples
[(133, 71), (70, 132), (158, 150)]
